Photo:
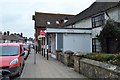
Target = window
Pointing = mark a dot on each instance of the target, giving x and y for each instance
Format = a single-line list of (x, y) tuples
[(65, 21), (73, 26), (48, 23), (98, 21), (96, 45), (57, 22), (8, 50)]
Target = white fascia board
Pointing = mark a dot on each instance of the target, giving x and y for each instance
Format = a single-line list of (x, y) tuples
[(54, 30)]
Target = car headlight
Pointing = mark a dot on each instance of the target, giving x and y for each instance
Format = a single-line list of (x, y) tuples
[(15, 61)]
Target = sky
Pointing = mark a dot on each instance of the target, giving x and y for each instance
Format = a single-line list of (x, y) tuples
[(16, 15)]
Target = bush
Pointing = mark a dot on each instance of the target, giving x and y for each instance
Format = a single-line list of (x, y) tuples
[(100, 56), (117, 57), (110, 58)]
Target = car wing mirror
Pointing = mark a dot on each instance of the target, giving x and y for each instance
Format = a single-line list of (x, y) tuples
[(22, 54)]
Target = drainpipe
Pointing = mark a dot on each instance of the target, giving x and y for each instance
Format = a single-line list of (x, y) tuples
[(44, 45)]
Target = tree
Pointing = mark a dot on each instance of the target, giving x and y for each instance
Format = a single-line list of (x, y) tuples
[(110, 30)]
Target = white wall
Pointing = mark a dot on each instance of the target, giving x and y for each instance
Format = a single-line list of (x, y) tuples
[(86, 23), (77, 42), (1, 41), (113, 13), (7, 41), (70, 26)]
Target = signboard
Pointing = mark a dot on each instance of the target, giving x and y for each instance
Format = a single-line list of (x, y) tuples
[(42, 33)]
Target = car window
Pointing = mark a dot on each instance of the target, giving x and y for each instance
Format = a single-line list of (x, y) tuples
[(8, 50)]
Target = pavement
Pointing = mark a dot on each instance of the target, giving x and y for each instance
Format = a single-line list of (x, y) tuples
[(47, 68)]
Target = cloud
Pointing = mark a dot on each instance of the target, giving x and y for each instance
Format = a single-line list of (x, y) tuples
[(17, 14)]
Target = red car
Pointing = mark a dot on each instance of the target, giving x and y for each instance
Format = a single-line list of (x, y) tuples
[(26, 50), (12, 57)]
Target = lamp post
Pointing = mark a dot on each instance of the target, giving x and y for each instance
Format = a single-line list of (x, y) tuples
[(47, 46)]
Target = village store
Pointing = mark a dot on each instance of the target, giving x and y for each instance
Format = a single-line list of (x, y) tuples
[(77, 40)]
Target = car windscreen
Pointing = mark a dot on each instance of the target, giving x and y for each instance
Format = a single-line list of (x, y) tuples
[(8, 50)]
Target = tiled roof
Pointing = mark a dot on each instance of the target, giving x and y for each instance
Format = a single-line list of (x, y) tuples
[(11, 37), (19, 37), (95, 8), (50, 19)]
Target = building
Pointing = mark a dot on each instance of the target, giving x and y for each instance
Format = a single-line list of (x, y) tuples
[(79, 32), (95, 17), (49, 20), (6, 37)]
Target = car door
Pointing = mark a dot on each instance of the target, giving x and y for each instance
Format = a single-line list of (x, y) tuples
[(21, 52)]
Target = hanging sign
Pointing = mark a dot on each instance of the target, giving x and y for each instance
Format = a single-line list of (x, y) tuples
[(42, 33)]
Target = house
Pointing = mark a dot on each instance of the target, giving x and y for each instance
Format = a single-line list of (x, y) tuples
[(79, 32), (95, 17), (6, 37), (49, 20)]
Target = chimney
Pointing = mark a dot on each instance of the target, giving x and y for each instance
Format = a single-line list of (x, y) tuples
[(8, 32), (4, 33), (14, 33), (21, 34)]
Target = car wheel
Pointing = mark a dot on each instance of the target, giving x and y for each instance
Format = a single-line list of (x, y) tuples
[(19, 73), (20, 70)]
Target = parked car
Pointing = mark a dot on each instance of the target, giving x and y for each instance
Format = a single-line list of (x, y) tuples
[(26, 50), (12, 57), (27, 46)]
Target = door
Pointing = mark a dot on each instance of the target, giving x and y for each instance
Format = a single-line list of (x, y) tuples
[(112, 45)]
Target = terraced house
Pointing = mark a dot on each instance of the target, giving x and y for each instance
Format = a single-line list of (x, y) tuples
[(79, 33), (6, 37)]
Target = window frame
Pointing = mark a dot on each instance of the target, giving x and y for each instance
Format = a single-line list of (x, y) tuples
[(95, 46), (102, 20)]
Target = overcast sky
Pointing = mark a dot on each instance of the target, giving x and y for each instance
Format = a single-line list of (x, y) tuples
[(17, 14)]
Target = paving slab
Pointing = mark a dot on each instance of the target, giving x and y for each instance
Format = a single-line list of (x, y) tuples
[(47, 68)]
